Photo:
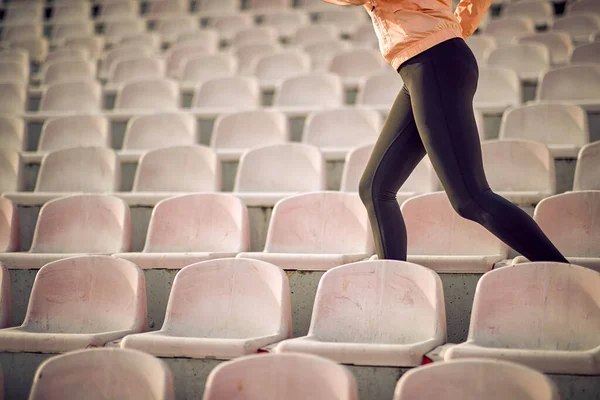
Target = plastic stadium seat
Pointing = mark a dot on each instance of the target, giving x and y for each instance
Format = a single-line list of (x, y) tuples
[(127, 51), (179, 53), (147, 39), (116, 29), (379, 90), (317, 231), (528, 60), (286, 22), (562, 127), (583, 6), (321, 52), (229, 25), (559, 44), (148, 95), (207, 36), (336, 132), (498, 89), (73, 11), (9, 241), (512, 304), (62, 31), (80, 302), (255, 35), (383, 313), (118, 10), (128, 69), (579, 27), (12, 132), (246, 55), (531, 162), (5, 319), (309, 92), (210, 66), (92, 43), (355, 64), (587, 170), (569, 220), (11, 171), (541, 12), (216, 7), (315, 33), (11, 71), (422, 180), (159, 130), (178, 169), (26, 30), (271, 69), (346, 19), (300, 169), (233, 133), (15, 15), (20, 56), (440, 239), (234, 93), (36, 47), (364, 35), (587, 53), (61, 71), (12, 97), (212, 311), (576, 84), (72, 96), (275, 376), (160, 9), (120, 373), (171, 26), (67, 54), (74, 131), (259, 5), (474, 380), (508, 29)]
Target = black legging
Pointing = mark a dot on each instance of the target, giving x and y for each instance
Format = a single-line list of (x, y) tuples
[(433, 114)]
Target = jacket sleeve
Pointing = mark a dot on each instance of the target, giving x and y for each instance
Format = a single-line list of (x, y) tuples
[(469, 14), (347, 2)]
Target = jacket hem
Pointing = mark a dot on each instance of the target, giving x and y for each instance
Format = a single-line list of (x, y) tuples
[(425, 44)]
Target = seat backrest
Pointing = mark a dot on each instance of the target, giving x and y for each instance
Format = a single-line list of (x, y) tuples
[(9, 233), (587, 53), (83, 224), (64, 30), (5, 303), (210, 66), (12, 97), (280, 65), (560, 44), (87, 294), (272, 376), (569, 220), (147, 39), (582, 7), (577, 25), (163, 129), (73, 96), (178, 169), (321, 223), (321, 52), (209, 37), (179, 53), (510, 27), (512, 304), (498, 84), (228, 25), (435, 228), (80, 169), (531, 161), (207, 222), (342, 128), (588, 168), (74, 131), (382, 301), (92, 43), (248, 54), (25, 30), (69, 70), (72, 11), (255, 34), (360, 62), (12, 133), (11, 171), (122, 373), (126, 51), (312, 89), (548, 123), (232, 92), (521, 57), (150, 94), (288, 167), (248, 129), (538, 10), (13, 71), (220, 5), (380, 89), (37, 47), (173, 25), (71, 53), (127, 69), (573, 82)]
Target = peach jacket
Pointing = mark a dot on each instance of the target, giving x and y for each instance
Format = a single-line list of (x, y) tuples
[(406, 28)]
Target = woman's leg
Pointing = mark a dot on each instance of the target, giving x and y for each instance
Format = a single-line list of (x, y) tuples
[(397, 152), (441, 83)]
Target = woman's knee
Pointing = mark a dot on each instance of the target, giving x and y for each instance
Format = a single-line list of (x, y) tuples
[(365, 189), (471, 208)]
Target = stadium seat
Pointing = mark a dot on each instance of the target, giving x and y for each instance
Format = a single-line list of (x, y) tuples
[(575, 84), (71, 70), (587, 53), (229, 25), (20, 56), (12, 132), (365, 36), (587, 170), (24, 14), (67, 54), (355, 64), (315, 33), (569, 220), (286, 22), (314, 91), (71, 12), (274, 376), (179, 53), (521, 171), (171, 26), (13, 96), (268, 5), (508, 29), (5, 304), (121, 51), (128, 69), (192, 228), (321, 52), (118, 10), (161, 9), (336, 132), (579, 27), (80, 302), (212, 311), (380, 313), (422, 180), (528, 60), (234, 93), (74, 131), (212, 8), (11, 171), (442, 240), (26, 30), (271, 69), (475, 380), (148, 95), (347, 19), (246, 55), (207, 36), (505, 324), (92, 43), (72, 97), (11, 71), (117, 29), (317, 231), (255, 35), (146, 39), (199, 68), (541, 12), (36, 47), (9, 241), (498, 89), (379, 90), (120, 373), (562, 127), (62, 31), (559, 44), (300, 169)]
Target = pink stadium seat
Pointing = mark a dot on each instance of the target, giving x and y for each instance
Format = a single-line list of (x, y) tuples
[(302, 94), (512, 304), (70, 12), (286, 21), (213, 307), (317, 231), (23, 14), (124, 51), (440, 239), (559, 44), (255, 35), (210, 66), (159, 130), (207, 8), (270, 69), (379, 90), (190, 228), (63, 31), (522, 171), (128, 69), (16, 55), (575, 84), (146, 39), (579, 27), (72, 53), (118, 10), (300, 168), (72, 96), (528, 60), (383, 313), (541, 12), (80, 302), (69, 70), (508, 29), (587, 170), (229, 24), (159, 9), (322, 51), (276, 376), (24, 30), (12, 71), (179, 53), (120, 373), (13, 96), (92, 43), (11, 171), (74, 131), (5, 308), (12, 132), (347, 19), (37, 47), (268, 5), (583, 7), (365, 36), (208, 37), (586, 53), (353, 65), (148, 95), (219, 95), (248, 54), (498, 89), (9, 231), (315, 33), (475, 380), (169, 27)]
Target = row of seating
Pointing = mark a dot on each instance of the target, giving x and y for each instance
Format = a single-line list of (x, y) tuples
[(311, 231)]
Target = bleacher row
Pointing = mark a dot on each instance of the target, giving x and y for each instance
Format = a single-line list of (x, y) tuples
[(166, 97)]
